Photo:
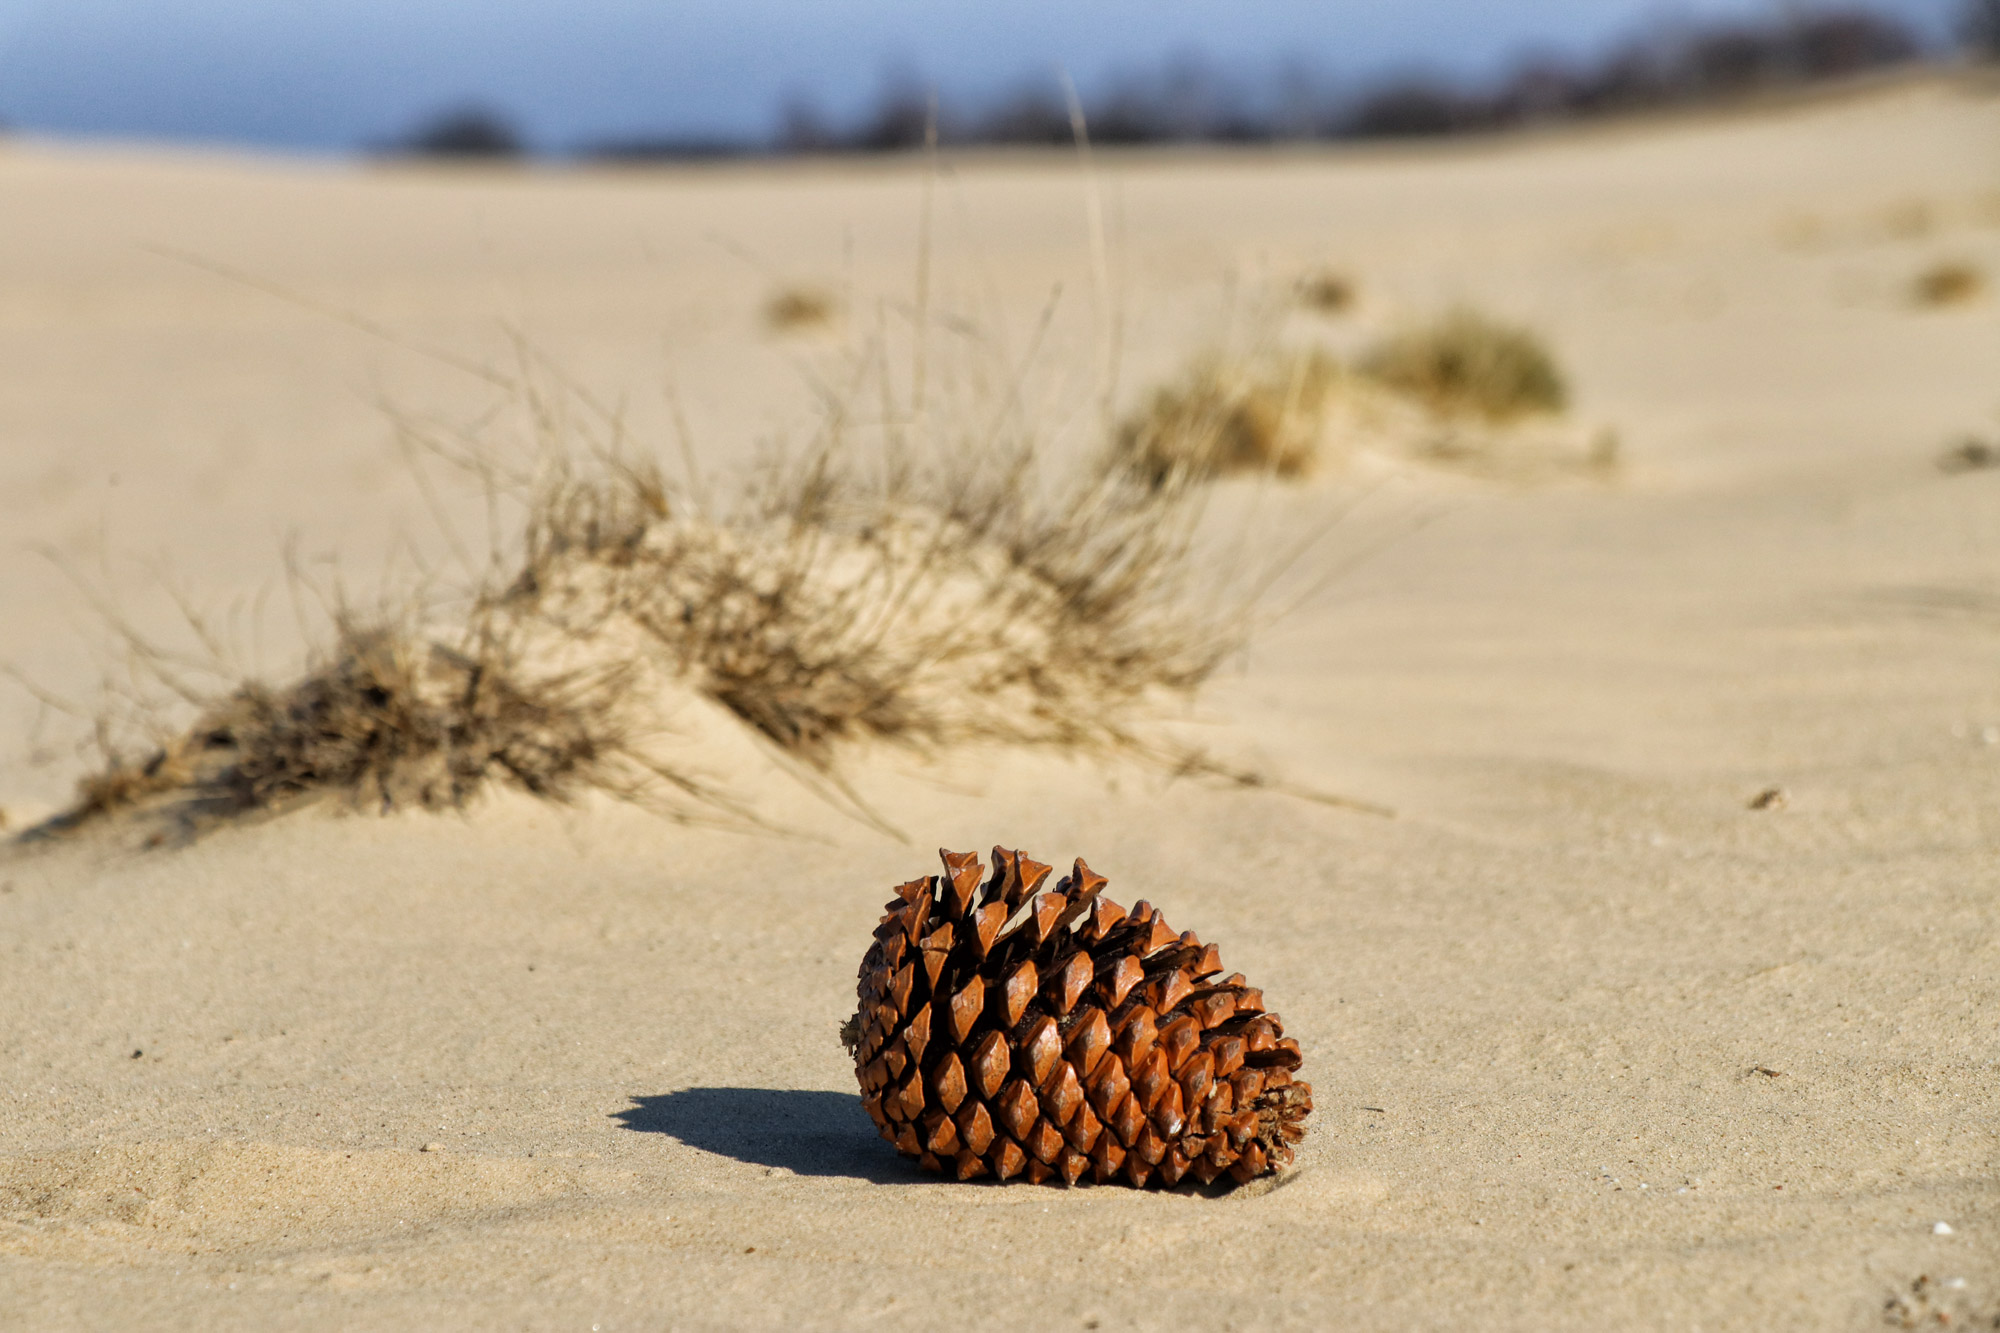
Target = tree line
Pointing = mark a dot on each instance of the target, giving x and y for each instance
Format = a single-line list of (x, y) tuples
[(1190, 101)]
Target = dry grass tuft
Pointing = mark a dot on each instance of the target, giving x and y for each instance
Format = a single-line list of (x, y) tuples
[(963, 603), (1950, 282), (1325, 292), (1970, 454), (1225, 418), (1468, 365), (801, 310), (387, 717), (920, 595), (1454, 392)]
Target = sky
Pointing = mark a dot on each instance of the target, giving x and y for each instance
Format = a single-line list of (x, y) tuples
[(333, 75)]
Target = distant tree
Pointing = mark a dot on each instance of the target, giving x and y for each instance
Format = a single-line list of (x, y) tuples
[(804, 128), (1413, 107), (1639, 74), (1691, 63), (1128, 116), (1979, 28), (1303, 102), (1832, 43), (1032, 114), (1732, 58), (1187, 101), (901, 118), (1540, 89), (666, 148), (469, 131)]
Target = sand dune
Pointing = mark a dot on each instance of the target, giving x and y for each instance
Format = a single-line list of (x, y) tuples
[(1594, 1042)]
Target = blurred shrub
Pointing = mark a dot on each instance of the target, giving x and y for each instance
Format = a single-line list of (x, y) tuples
[(1466, 364), (800, 309), (1223, 418), (1951, 282), (1325, 291)]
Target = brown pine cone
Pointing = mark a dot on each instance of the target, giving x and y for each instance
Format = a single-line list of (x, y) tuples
[(1081, 1038)]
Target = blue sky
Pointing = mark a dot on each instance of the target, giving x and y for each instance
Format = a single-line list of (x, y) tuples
[(326, 75)]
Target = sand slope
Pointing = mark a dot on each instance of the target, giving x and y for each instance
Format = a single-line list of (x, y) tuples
[(1595, 1044)]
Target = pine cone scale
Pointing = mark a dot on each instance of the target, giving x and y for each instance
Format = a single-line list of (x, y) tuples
[(1010, 1030)]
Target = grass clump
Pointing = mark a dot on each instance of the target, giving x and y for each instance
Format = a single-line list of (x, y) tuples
[(1224, 418), (394, 721), (801, 310), (1325, 292), (1466, 365), (387, 716), (1950, 282), (1455, 390), (881, 588), (972, 600), (1970, 454)]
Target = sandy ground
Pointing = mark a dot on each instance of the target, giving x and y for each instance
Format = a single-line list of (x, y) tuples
[(1595, 1044)]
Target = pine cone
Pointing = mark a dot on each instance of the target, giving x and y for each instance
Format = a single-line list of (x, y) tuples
[(1050, 1050)]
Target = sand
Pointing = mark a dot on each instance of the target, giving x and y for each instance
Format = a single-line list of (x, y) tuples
[(1595, 1043)]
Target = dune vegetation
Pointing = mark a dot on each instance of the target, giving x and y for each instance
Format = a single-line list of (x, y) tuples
[(1446, 389), (907, 587)]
